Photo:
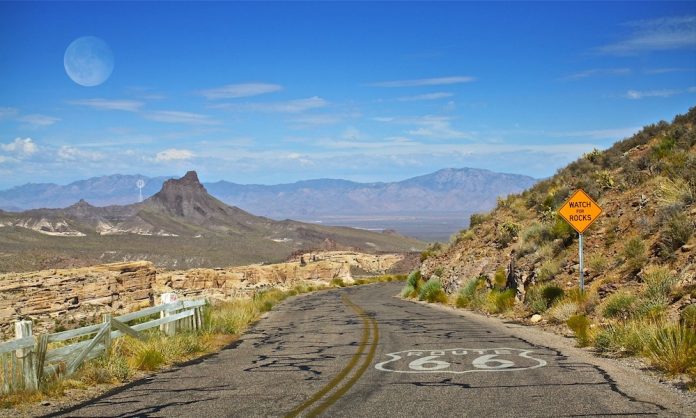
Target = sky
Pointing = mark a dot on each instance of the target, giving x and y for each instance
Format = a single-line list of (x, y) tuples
[(260, 92)]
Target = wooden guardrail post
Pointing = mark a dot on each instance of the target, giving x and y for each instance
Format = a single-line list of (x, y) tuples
[(106, 318), (169, 329), (24, 329)]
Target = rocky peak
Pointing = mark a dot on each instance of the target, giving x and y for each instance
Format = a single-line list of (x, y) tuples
[(185, 197)]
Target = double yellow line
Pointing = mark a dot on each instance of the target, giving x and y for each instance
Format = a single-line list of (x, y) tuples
[(368, 324)]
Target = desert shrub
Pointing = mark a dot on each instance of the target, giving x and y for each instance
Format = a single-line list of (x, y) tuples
[(500, 278), (563, 231), (472, 294), (499, 301), (618, 305), (598, 263), (548, 270), (604, 179), (507, 232), (432, 250), (634, 254), (337, 282), (580, 326), (676, 233), (659, 283), (673, 192), (414, 279), (463, 235), (537, 233), (477, 219), (563, 310), (538, 298), (688, 316), (594, 155), (663, 148), (673, 349), (409, 292), (432, 291), (147, 358), (653, 309), (552, 293), (627, 338)]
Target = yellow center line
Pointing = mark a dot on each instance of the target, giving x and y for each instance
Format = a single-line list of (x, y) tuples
[(368, 360), (344, 372)]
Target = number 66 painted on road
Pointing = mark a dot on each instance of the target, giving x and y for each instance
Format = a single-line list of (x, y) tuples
[(460, 360)]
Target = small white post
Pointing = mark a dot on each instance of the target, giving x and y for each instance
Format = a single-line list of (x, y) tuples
[(582, 267), (23, 329), (169, 328)]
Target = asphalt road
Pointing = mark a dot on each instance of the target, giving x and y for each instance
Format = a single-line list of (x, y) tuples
[(361, 352)]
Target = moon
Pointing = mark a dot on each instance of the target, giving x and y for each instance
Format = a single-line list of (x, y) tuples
[(88, 61)]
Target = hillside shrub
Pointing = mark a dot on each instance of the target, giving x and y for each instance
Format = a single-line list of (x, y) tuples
[(548, 270), (507, 232), (477, 219), (659, 283), (673, 349), (598, 263), (634, 254), (580, 325), (414, 279), (472, 294), (499, 301), (563, 310), (500, 278), (618, 305), (432, 291), (676, 233), (688, 316), (563, 231), (432, 250), (663, 148)]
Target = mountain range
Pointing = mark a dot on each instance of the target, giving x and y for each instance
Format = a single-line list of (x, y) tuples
[(180, 226), (429, 207)]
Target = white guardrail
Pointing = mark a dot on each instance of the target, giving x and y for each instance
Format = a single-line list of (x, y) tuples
[(27, 359)]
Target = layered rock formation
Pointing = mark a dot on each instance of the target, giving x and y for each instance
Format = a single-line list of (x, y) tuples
[(73, 296)]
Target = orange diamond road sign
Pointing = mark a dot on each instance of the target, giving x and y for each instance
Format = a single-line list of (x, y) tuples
[(580, 211)]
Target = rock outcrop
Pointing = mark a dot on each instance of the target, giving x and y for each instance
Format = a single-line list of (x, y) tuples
[(55, 298)]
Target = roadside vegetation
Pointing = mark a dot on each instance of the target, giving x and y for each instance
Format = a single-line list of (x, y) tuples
[(640, 270), (130, 358)]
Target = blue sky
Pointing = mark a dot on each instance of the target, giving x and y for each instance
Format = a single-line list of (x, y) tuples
[(279, 92)]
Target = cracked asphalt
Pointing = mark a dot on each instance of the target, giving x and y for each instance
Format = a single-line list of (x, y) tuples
[(361, 352)]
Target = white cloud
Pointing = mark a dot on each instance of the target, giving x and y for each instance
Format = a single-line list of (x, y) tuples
[(234, 91), (426, 96), (661, 34), (107, 104), (68, 153), (21, 146), (437, 81), (433, 127), (598, 72), (173, 154), (172, 116), (39, 120), (636, 95), (290, 106), (667, 70), (8, 112)]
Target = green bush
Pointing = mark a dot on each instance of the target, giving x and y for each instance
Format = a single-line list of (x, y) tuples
[(580, 326), (409, 292), (563, 231), (500, 278), (552, 293), (673, 349), (676, 233), (414, 279), (472, 294), (663, 148), (548, 270), (501, 301), (634, 254), (619, 305), (336, 282), (432, 291), (598, 263), (477, 219), (659, 283), (688, 316)]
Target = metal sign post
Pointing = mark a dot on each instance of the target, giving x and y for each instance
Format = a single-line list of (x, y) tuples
[(580, 211), (582, 277)]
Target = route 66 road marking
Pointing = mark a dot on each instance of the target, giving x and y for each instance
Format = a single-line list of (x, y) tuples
[(461, 360)]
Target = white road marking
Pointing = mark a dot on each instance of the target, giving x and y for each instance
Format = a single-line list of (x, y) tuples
[(461, 360)]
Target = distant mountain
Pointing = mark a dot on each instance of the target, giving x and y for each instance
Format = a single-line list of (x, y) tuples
[(179, 226), (464, 190), (115, 189)]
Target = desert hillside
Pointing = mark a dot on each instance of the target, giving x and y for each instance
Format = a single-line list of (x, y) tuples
[(521, 259)]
